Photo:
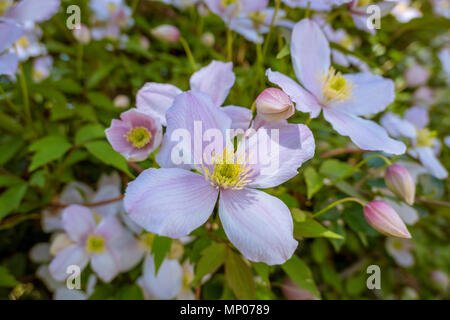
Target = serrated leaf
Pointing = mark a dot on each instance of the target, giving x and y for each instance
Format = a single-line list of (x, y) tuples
[(211, 259), (300, 273), (89, 132), (160, 248), (11, 198), (314, 181), (239, 276), (48, 149), (312, 229), (105, 153)]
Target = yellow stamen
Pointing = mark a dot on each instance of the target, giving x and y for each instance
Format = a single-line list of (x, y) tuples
[(146, 240), (257, 18), (95, 244), (139, 137), (226, 3), (23, 42), (228, 171), (425, 138), (4, 4), (111, 7), (335, 87)]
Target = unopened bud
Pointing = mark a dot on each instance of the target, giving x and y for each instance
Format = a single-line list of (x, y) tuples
[(208, 39), (166, 33), (383, 218), (274, 105), (82, 34), (121, 101), (400, 182)]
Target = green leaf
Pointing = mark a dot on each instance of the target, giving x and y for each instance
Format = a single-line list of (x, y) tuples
[(38, 179), (312, 229), (68, 85), (100, 100), (99, 75), (284, 52), (9, 148), (6, 278), (354, 216), (263, 271), (300, 273), (314, 181), (48, 149), (11, 198), (10, 124), (8, 180), (160, 248), (89, 132), (239, 276), (103, 151), (130, 292), (211, 259), (334, 168)]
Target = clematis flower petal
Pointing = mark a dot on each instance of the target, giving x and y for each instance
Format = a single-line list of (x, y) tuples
[(71, 255), (253, 5), (240, 116), (371, 94), (431, 163), (155, 98), (129, 251), (78, 222), (397, 127), (305, 102), (418, 116), (193, 113), (259, 225), (105, 265), (107, 192), (310, 53), (295, 146), (216, 79), (32, 10), (9, 33), (8, 64), (366, 134), (170, 202), (166, 284)]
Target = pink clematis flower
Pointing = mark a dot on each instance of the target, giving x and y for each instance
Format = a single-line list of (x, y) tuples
[(173, 201), (343, 98), (109, 18), (317, 5), (135, 135), (425, 146), (105, 245), (216, 79)]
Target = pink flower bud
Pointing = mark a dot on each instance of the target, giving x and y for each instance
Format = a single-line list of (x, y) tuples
[(384, 219), (274, 105), (400, 182), (166, 33), (82, 34)]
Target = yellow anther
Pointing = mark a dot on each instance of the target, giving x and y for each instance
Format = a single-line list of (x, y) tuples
[(95, 244), (335, 87), (425, 138), (139, 137)]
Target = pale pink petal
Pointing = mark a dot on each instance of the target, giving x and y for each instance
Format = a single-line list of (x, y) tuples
[(32, 10), (431, 163), (71, 255), (78, 222), (9, 33), (240, 117), (105, 265), (8, 64)]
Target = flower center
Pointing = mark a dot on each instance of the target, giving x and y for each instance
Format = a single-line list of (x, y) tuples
[(335, 87), (257, 18), (146, 240), (228, 171), (226, 3), (4, 5), (95, 244), (398, 245), (111, 7), (363, 3), (23, 42), (346, 42), (425, 138), (139, 137)]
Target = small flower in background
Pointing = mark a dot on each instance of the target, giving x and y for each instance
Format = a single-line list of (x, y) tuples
[(423, 96), (444, 56), (400, 182), (102, 241), (121, 101), (135, 135), (293, 292), (42, 68), (166, 33), (383, 218), (404, 12), (439, 279), (180, 4), (416, 76), (274, 105), (343, 98), (447, 141), (360, 15), (424, 144), (208, 39), (316, 5), (109, 18), (441, 8), (144, 42), (400, 251), (82, 34), (172, 201), (216, 80)]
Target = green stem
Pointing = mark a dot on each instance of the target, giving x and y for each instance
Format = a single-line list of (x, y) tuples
[(134, 6), (80, 61), (229, 45), (360, 164), (349, 199), (188, 51), (308, 10), (26, 100), (272, 22), (9, 102)]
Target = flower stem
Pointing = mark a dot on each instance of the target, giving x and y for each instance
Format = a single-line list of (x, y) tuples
[(9, 102), (272, 22), (229, 45), (134, 6), (80, 61), (26, 100), (308, 10), (188, 51), (349, 199), (360, 164)]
